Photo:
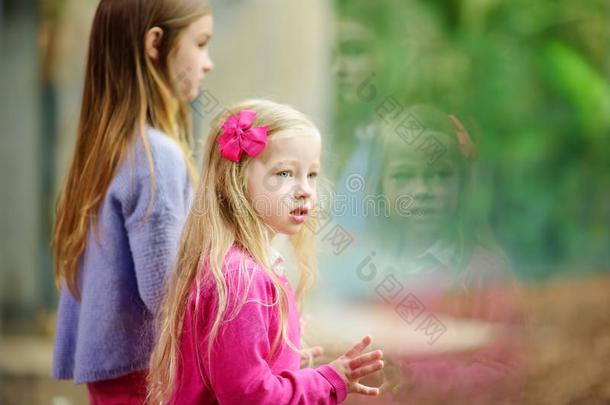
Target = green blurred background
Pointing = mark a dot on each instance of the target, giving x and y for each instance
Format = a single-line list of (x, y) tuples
[(532, 81)]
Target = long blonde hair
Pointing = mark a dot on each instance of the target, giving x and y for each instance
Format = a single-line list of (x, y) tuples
[(124, 91), (222, 216)]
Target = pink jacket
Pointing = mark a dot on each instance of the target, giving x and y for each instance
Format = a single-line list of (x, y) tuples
[(239, 370)]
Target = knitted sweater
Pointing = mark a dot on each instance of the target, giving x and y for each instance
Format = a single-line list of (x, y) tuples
[(242, 368), (130, 248)]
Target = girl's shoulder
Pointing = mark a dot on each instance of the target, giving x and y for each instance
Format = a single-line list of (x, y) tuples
[(236, 263), (159, 149), (244, 280), (239, 264), (488, 267), (167, 156), (153, 166), (163, 146)]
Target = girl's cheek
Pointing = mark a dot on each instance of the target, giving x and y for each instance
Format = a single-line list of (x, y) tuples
[(288, 190)]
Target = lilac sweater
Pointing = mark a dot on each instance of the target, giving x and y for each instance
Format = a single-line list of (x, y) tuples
[(129, 250)]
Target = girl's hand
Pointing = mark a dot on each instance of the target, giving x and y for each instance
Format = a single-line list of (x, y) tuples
[(354, 365), (308, 356)]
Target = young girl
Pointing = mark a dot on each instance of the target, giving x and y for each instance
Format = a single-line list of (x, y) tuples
[(123, 205), (436, 262), (230, 329)]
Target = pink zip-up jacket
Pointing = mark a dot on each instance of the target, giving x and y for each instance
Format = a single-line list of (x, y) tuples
[(241, 368)]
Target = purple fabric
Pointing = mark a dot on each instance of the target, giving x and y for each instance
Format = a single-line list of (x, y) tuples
[(129, 251)]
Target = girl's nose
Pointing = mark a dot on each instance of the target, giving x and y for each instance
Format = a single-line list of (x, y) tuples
[(303, 190), (208, 65), (338, 67), (420, 187)]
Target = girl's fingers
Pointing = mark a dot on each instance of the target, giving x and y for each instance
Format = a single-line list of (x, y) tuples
[(358, 347), (314, 352), (364, 390), (365, 358), (361, 372), (308, 355)]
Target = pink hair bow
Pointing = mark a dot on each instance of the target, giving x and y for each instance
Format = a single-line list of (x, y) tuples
[(467, 147), (238, 136)]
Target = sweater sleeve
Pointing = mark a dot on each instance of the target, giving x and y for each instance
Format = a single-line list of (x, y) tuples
[(154, 220), (239, 371)]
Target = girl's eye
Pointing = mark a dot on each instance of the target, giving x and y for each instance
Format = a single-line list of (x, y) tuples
[(401, 176), (313, 175), (441, 174), (353, 48), (284, 173)]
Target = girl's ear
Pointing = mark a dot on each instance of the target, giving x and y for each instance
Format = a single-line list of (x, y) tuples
[(152, 42)]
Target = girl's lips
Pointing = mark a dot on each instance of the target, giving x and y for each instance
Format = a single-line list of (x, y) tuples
[(299, 215), (425, 213)]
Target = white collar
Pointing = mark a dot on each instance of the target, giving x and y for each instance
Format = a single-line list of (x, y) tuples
[(276, 259), (442, 251)]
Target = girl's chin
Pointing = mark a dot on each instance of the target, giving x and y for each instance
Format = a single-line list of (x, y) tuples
[(192, 97), (420, 223), (291, 229)]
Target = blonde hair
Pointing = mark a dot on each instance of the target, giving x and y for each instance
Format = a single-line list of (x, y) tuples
[(124, 90), (223, 216)]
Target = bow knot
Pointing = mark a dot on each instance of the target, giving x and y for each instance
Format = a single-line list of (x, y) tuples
[(239, 136)]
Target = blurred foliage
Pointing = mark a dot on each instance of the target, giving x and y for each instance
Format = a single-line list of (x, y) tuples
[(532, 80)]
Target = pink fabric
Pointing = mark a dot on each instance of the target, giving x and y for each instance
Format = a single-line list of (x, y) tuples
[(240, 369), (129, 389), (487, 375)]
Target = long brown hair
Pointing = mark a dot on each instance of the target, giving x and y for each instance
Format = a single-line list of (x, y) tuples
[(124, 91), (221, 216)]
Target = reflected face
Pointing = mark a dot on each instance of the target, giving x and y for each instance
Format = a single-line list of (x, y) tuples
[(282, 180), (431, 190), (354, 59), (191, 62)]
